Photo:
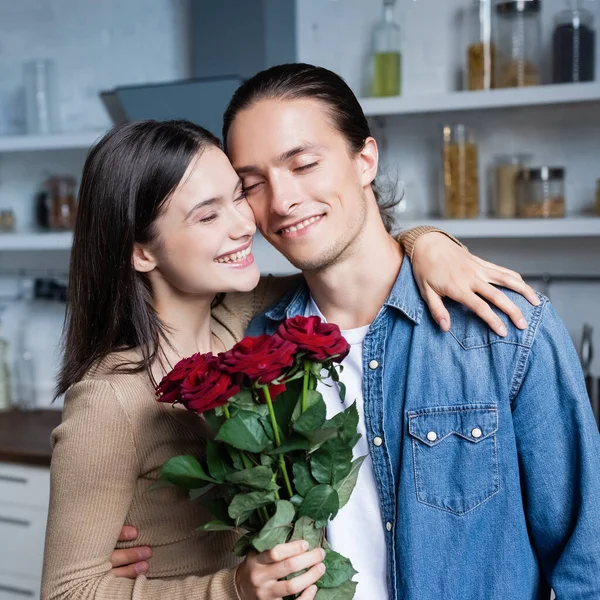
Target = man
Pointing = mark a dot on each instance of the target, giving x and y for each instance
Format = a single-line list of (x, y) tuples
[(483, 478), (483, 473)]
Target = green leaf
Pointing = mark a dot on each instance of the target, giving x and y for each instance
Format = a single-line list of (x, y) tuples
[(256, 477), (342, 387), (217, 507), (243, 546), (217, 460), (199, 492), (244, 400), (312, 397), (303, 480), (285, 403), (297, 500), (332, 462), (236, 457), (313, 417), (277, 528), (338, 571), (321, 503), (345, 591), (346, 422), (315, 368), (244, 432), (304, 529), (321, 524), (213, 419), (242, 505), (291, 444), (215, 526), (266, 460), (320, 436), (185, 471), (345, 486)]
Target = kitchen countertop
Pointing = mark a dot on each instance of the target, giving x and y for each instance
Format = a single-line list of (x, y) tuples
[(25, 436)]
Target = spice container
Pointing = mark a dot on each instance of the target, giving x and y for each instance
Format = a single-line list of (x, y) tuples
[(61, 202), (518, 43), (506, 169), (481, 61), (574, 47), (541, 192), (460, 173)]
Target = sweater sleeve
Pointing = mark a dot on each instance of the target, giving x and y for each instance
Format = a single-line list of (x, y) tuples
[(408, 238), (93, 477)]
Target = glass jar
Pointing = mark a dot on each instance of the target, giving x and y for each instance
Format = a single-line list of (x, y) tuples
[(506, 169), (386, 54), (541, 192), (574, 47), (481, 61), (518, 43), (460, 173), (61, 202), (598, 197)]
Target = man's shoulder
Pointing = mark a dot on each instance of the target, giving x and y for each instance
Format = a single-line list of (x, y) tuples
[(471, 331), (269, 319)]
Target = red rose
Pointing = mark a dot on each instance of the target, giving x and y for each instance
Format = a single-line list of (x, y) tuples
[(319, 340), (169, 389), (207, 386), (259, 359)]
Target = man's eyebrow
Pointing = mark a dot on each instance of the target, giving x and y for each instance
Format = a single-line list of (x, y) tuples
[(283, 157), (202, 204)]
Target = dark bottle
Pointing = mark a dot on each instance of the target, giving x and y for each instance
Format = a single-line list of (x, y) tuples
[(574, 47)]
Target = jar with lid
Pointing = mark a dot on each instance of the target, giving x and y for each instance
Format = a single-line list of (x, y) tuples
[(386, 62), (541, 192), (505, 171), (481, 50), (574, 47), (61, 202), (518, 43), (460, 173)]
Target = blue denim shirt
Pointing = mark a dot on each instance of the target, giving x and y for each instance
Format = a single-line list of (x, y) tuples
[(489, 474)]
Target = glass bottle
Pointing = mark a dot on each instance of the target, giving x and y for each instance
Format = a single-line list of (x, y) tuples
[(518, 43), (481, 57), (461, 173), (574, 47), (386, 54)]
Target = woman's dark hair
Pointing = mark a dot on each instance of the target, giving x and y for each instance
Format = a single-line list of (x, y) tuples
[(298, 80), (127, 180)]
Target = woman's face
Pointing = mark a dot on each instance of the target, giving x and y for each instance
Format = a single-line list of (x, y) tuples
[(204, 234)]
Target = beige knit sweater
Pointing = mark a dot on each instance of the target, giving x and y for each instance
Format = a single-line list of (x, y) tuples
[(108, 451)]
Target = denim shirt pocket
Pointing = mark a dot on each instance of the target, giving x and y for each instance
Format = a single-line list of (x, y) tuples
[(455, 455)]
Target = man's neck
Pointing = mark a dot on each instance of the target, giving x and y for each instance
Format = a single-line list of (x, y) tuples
[(351, 291)]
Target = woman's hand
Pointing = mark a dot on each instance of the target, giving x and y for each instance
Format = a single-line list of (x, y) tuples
[(258, 576), (129, 562), (443, 268)]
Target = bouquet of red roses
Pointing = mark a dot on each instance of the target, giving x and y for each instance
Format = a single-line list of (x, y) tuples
[(276, 470)]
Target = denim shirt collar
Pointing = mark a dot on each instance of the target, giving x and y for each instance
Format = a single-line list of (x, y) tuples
[(404, 297)]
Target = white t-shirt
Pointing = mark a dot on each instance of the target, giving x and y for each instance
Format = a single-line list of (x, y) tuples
[(357, 531)]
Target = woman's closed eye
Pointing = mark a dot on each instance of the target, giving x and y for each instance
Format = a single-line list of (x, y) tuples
[(303, 168)]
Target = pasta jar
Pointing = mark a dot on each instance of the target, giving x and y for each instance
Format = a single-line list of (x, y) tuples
[(506, 169), (518, 43), (481, 50), (460, 173), (541, 192)]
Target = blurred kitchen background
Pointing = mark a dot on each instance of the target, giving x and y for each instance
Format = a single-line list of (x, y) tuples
[(487, 114)]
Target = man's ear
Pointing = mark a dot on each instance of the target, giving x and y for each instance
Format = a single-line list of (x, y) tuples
[(369, 161), (142, 259)]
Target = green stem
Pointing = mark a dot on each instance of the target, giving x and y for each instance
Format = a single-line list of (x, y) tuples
[(226, 412), (305, 385), (282, 466), (264, 514)]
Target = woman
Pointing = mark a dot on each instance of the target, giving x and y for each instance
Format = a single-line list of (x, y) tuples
[(163, 230)]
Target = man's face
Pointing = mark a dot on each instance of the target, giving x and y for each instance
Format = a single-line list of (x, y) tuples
[(303, 184)]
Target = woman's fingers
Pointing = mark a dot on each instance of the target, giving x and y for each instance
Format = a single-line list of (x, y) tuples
[(129, 556), (501, 300), (512, 283), (128, 533), (481, 308), (131, 571), (309, 593), (297, 563), (282, 552), (288, 587), (437, 309), (490, 265)]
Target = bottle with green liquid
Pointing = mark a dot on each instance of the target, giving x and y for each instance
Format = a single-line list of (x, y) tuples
[(386, 54)]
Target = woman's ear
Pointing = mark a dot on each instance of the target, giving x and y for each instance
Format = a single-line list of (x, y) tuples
[(369, 161), (142, 259)]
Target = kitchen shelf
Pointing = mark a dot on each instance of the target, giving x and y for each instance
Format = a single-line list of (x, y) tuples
[(482, 100), (570, 227), (36, 241), (58, 141)]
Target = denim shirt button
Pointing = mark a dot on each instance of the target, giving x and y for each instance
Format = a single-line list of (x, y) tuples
[(476, 433), (373, 364), (388, 526), (432, 436), (377, 441)]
